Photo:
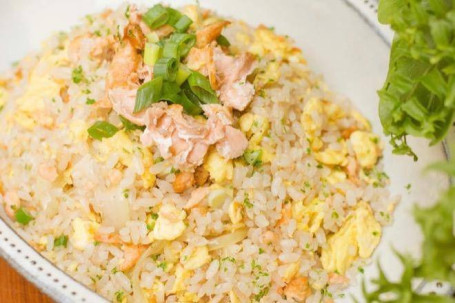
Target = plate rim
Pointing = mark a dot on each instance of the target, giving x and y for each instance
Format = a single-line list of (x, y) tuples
[(62, 287)]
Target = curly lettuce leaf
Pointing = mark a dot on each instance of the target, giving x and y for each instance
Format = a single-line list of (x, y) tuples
[(418, 96), (387, 291)]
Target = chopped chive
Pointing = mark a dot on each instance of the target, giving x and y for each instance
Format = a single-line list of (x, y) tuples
[(102, 129), (148, 93), (157, 16), (22, 216)]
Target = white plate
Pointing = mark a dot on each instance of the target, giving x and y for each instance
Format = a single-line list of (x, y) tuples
[(340, 39)]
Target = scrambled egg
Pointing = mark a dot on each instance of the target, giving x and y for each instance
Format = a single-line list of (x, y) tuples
[(83, 233), (361, 120), (218, 195), (181, 275), (336, 176), (366, 148), (267, 42), (78, 130), (233, 297), (147, 177), (269, 75), (170, 223), (235, 212), (254, 127), (120, 143), (316, 115), (313, 127), (3, 96), (291, 271), (31, 103), (359, 236), (309, 217), (157, 287), (41, 87), (188, 297), (198, 258), (333, 157), (220, 169)]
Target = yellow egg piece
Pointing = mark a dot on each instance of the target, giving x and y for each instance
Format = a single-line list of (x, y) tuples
[(170, 223), (83, 233), (198, 258), (366, 148), (220, 169)]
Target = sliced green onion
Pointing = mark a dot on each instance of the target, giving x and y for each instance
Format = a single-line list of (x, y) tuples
[(183, 24), (253, 157), (153, 37), (189, 93), (190, 108), (182, 74), (61, 241), (151, 53), (171, 50), (223, 41), (130, 126), (102, 129), (22, 216), (166, 68), (174, 16), (200, 86), (157, 16), (148, 93), (169, 91), (184, 41)]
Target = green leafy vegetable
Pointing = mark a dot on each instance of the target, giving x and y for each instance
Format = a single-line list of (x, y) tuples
[(418, 97), (22, 216), (102, 129), (148, 93), (402, 291)]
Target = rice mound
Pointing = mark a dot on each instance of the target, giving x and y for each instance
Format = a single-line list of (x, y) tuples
[(294, 225)]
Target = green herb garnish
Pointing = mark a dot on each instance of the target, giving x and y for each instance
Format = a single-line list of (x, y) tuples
[(102, 129), (22, 216), (62, 240)]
